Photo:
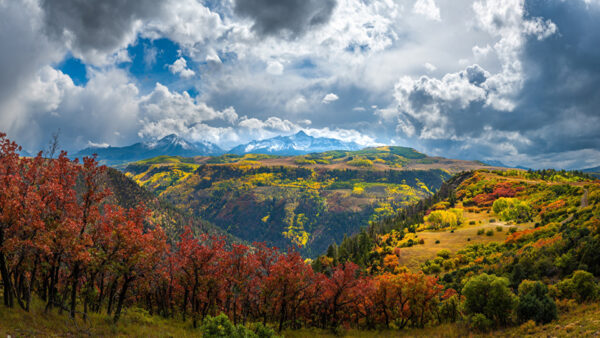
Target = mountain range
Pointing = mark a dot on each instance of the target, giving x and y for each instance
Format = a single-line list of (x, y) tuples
[(173, 145)]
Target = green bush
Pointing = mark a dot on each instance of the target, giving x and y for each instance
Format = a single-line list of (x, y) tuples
[(444, 253), (221, 326), (535, 303), (262, 331), (434, 268), (472, 222), (480, 232), (450, 309), (437, 241), (512, 209), (499, 228), (479, 322), (581, 287), (512, 230), (489, 232), (489, 296)]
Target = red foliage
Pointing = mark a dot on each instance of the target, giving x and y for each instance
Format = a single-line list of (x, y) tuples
[(502, 189), (61, 239)]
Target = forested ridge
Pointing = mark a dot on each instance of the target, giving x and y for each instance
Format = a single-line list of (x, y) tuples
[(67, 246), (283, 205)]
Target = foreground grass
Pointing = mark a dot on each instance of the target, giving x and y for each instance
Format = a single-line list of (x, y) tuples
[(583, 321), (134, 323)]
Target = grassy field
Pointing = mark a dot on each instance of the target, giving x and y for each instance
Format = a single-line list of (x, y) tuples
[(414, 256)]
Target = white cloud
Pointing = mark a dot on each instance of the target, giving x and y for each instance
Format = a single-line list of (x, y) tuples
[(428, 9), (331, 97), (274, 67), (429, 67), (180, 67)]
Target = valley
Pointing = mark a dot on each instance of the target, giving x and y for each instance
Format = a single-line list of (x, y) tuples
[(308, 201)]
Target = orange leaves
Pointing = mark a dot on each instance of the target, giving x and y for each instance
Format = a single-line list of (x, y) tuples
[(406, 297), (553, 206)]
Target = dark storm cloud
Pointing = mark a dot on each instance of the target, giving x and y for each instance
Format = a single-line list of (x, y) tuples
[(562, 91), (556, 112), (285, 17), (96, 26)]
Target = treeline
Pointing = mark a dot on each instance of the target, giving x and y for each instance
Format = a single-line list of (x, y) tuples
[(63, 241)]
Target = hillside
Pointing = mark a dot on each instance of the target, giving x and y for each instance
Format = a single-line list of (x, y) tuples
[(520, 226), (128, 194), (310, 200)]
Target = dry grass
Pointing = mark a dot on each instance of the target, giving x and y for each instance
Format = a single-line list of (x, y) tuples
[(18, 323), (414, 256)]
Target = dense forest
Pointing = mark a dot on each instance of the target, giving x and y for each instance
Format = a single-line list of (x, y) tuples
[(67, 245)]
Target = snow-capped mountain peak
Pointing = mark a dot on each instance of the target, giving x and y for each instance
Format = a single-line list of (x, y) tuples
[(297, 144)]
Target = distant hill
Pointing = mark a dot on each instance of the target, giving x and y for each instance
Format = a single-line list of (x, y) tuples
[(297, 144), (171, 145), (595, 171), (309, 200)]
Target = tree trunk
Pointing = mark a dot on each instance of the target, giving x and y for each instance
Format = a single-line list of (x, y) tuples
[(31, 281), (74, 289), (122, 298), (8, 300)]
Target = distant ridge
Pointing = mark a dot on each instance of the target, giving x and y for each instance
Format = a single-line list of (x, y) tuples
[(171, 145)]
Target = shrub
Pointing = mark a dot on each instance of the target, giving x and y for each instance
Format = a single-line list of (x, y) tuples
[(535, 303), (528, 326), (490, 296), (445, 218), (435, 268), (262, 331), (220, 326), (512, 230), (468, 239), (499, 228), (444, 253), (480, 232), (437, 241), (489, 232), (479, 322), (581, 287), (472, 222), (492, 220), (512, 209), (449, 309)]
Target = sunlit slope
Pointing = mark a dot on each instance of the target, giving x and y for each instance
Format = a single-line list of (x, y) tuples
[(521, 224)]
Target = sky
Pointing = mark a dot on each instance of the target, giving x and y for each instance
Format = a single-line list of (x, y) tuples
[(516, 81)]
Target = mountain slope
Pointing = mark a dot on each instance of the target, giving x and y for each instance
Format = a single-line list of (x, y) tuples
[(127, 193), (297, 144), (171, 145), (525, 225), (309, 200)]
